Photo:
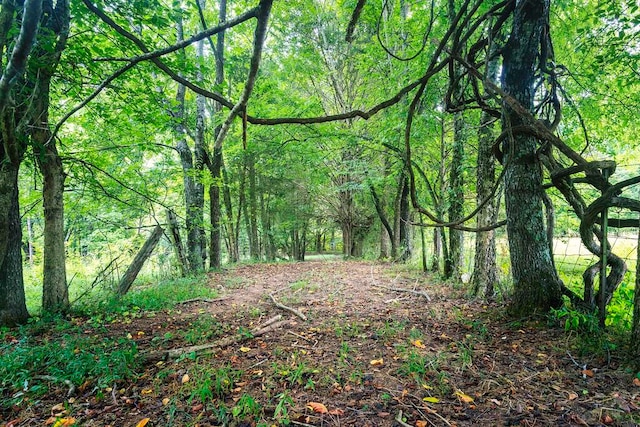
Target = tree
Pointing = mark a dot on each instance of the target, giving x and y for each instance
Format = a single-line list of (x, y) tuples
[(15, 115), (537, 286)]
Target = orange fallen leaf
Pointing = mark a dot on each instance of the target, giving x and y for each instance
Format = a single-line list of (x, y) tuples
[(143, 422), (336, 412), (588, 372), (636, 382), (573, 396), (464, 397), (607, 419), (421, 423), (65, 422), (317, 407)]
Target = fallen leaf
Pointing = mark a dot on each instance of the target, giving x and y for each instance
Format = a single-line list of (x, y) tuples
[(147, 391), (431, 399), (65, 422), (636, 382), (573, 396), (317, 407), (165, 401), (587, 373), (245, 349), (197, 408), (377, 362), (13, 423), (464, 397), (336, 412), (57, 408), (419, 344), (143, 422), (185, 379), (383, 414), (607, 419), (496, 402), (421, 423), (427, 387)]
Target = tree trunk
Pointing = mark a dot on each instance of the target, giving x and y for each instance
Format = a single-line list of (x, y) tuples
[(13, 308), (537, 287), (252, 209), (635, 331), (176, 241), (137, 263), (215, 206), (404, 216), (55, 294), (485, 271)]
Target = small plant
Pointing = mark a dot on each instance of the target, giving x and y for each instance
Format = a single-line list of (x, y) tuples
[(246, 408), (465, 350), (390, 329), (281, 413)]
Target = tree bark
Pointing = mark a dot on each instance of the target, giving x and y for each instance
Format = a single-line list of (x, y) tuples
[(176, 241), (537, 287), (13, 308), (252, 209), (137, 263), (485, 270), (635, 330)]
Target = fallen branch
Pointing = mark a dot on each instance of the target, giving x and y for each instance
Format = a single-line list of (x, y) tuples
[(289, 309), (399, 420), (69, 384), (174, 353), (410, 291), (209, 300)]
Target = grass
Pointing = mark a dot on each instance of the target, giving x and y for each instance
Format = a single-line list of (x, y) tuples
[(65, 355)]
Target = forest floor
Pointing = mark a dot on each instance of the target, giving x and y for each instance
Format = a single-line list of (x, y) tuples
[(367, 355)]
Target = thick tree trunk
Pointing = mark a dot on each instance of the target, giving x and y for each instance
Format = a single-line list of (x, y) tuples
[(485, 270), (139, 260), (536, 283), (453, 263), (13, 309), (55, 295)]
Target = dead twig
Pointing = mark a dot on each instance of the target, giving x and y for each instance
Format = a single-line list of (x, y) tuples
[(399, 419), (72, 388), (174, 353), (289, 309), (410, 291), (208, 300)]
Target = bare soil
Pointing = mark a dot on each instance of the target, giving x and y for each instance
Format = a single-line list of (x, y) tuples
[(370, 355)]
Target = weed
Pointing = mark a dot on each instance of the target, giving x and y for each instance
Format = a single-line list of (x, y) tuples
[(390, 329), (235, 282), (465, 352), (246, 408), (281, 413), (202, 329)]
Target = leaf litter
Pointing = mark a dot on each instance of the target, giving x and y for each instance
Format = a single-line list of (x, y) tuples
[(362, 358)]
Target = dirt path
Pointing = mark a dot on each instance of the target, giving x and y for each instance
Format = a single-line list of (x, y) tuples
[(367, 353)]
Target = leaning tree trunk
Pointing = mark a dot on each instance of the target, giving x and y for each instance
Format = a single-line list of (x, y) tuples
[(536, 283), (136, 265), (13, 308)]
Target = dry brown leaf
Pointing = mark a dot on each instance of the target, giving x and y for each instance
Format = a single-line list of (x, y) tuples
[(573, 396), (588, 372), (336, 412), (143, 422), (377, 362), (165, 401), (606, 419), (197, 408), (185, 379), (636, 382), (317, 407), (57, 408), (421, 423)]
